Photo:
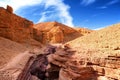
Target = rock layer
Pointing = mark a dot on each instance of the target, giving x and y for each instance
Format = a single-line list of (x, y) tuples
[(54, 32), (14, 27)]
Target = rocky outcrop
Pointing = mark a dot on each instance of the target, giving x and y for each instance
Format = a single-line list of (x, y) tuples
[(14, 27), (54, 32), (60, 62), (70, 66), (35, 68), (101, 51), (9, 9)]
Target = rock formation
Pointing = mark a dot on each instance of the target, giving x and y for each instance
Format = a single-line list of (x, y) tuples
[(101, 49), (91, 57), (9, 9), (14, 27), (54, 32)]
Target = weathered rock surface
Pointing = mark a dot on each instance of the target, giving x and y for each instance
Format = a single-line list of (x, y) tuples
[(68, 67), (12, 59), (14, 27), (9, 49), (63, 63), (36, 67), (54, 32), (74, 66), (15, 57), (100, 50)]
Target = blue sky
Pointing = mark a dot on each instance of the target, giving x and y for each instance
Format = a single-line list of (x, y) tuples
[(92, 14)]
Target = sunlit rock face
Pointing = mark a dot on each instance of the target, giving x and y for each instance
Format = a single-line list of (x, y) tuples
[(101, 51), (54, 32), (14, 27)]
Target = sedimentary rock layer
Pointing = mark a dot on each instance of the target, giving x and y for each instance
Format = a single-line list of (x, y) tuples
[(14, 27)]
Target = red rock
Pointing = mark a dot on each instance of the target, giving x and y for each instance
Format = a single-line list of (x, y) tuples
[(9, 9), (54, 32), (14, 27)]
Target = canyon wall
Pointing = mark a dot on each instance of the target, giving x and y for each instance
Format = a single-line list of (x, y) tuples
[(54, 32), (14, 27)]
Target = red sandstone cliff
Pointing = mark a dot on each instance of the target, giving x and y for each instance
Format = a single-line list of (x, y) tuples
[(14, 27)]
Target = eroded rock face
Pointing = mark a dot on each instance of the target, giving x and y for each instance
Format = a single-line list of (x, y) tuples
[(14, 27), (54, 32), (60, 62), (71, 66), (101, 48)]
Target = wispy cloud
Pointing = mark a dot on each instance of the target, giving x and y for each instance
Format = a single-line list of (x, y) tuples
[(108, 4), (87, 2), (61, 10), (47, 15)]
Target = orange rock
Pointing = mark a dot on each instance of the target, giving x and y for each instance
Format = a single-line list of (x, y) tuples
[(14, 27), (54, 32), (9, 9)]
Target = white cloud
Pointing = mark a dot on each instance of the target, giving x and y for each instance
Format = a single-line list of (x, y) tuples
[(19, 3), (61, 11), (87, 2), (60, 8), (108, 4), (47, 15)]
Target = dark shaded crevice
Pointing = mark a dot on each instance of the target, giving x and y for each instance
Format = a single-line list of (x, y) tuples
[(53, 72), (36, 67)]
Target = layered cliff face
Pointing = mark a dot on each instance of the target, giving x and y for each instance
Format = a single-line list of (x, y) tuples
[(54, 32), (13, 55), (14, 27), (83, 63)]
